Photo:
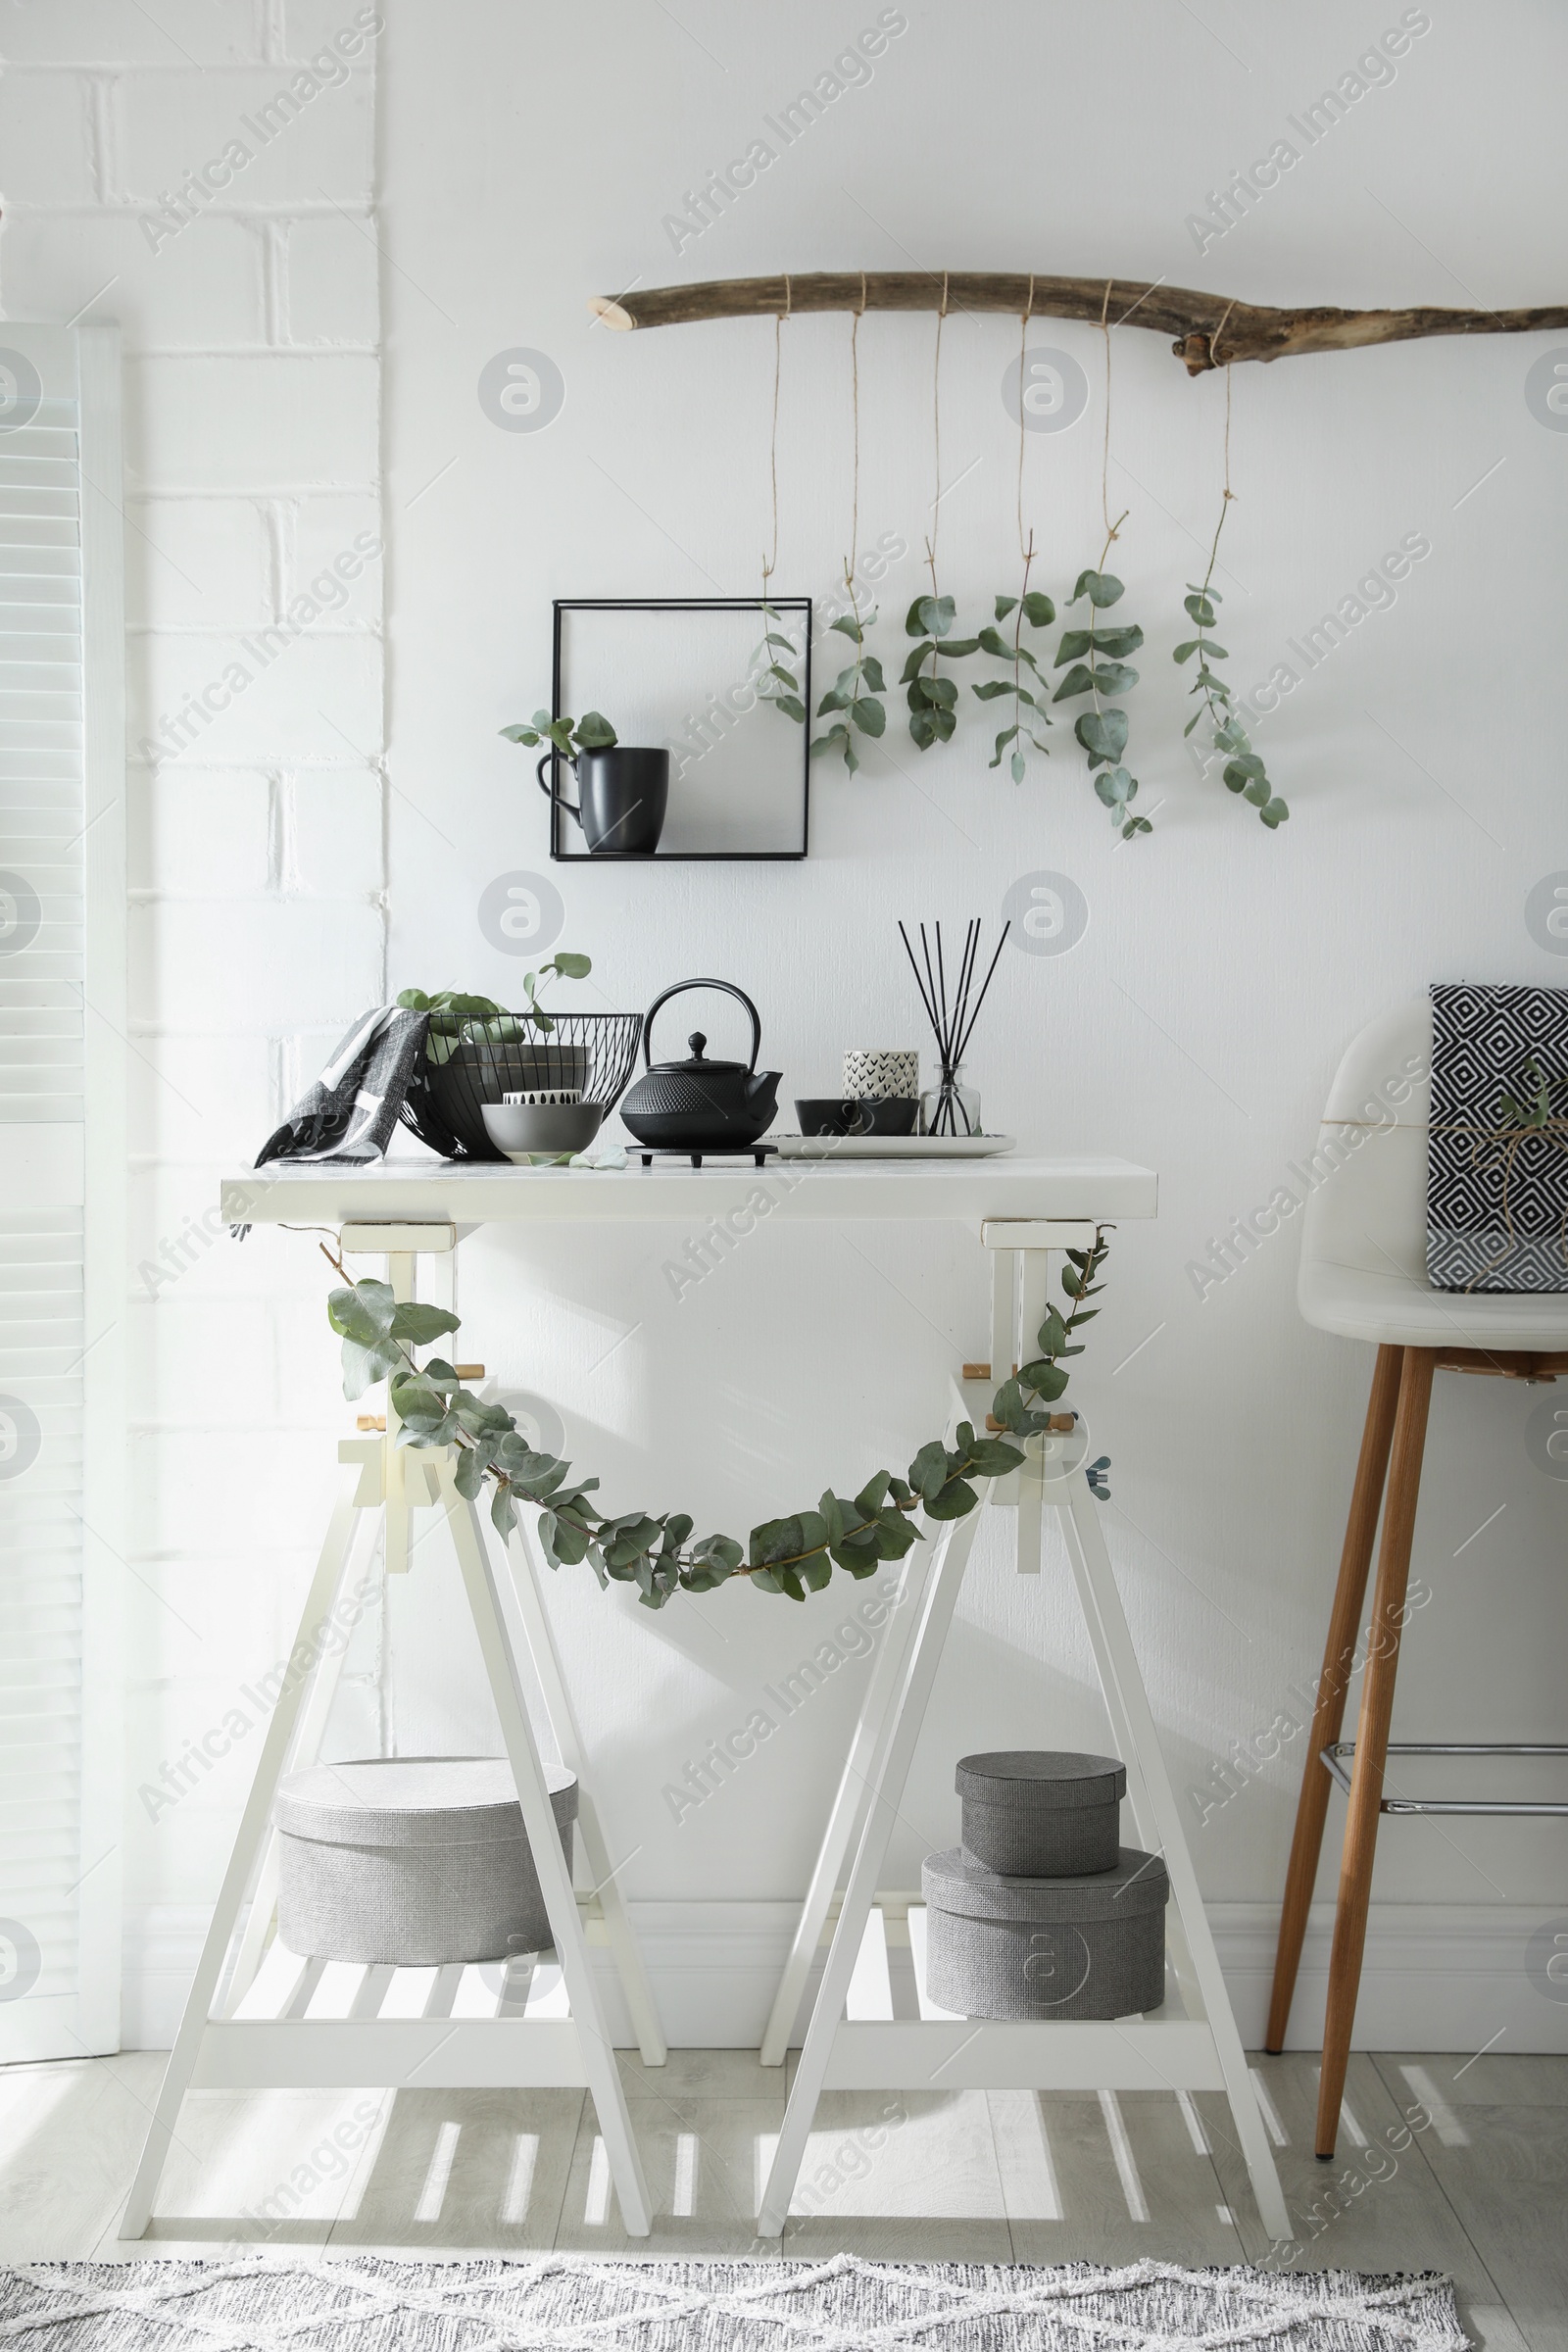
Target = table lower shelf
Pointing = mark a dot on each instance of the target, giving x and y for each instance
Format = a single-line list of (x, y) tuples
[(895, 2038), (339, 2023)]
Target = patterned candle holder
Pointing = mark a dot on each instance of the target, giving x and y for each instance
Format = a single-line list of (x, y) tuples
[(889, 1074)]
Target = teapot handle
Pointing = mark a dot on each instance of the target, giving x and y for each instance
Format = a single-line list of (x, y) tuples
[(730, 990)]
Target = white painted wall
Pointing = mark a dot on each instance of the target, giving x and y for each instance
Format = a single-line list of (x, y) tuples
[(525, 159)]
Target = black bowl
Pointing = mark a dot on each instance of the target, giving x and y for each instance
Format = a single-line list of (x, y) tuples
[(893, 1115)]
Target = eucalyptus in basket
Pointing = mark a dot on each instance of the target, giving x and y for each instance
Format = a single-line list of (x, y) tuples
[(856, 692), (454, 1016), (1100, 668), (655, 1551)]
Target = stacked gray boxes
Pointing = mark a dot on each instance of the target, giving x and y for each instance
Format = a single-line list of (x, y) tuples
[(1042, 1912)]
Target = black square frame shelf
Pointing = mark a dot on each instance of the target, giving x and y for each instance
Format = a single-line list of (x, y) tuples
[(562, 829)]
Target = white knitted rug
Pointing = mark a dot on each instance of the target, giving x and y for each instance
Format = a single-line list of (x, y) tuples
[(584, 2303)]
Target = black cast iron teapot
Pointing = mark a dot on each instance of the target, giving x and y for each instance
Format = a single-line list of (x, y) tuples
[(701, 1105)]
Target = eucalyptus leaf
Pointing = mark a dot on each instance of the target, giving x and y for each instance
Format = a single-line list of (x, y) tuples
[(1102, 734), (1101, 588), (363, 1312), (417, 1324)]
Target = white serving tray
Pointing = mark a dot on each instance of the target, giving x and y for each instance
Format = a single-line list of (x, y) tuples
[(892, 1147)]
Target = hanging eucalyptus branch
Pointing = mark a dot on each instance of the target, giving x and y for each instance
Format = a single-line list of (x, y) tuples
[(933, 698), (777, 685), (1099, 668), (1028, 697), (794, 1555), (856, 689), (1244, 770)]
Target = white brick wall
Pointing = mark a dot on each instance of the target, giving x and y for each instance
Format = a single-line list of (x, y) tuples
[(252, 332)]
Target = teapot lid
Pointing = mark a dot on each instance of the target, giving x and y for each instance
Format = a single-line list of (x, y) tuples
[(698, 1065)]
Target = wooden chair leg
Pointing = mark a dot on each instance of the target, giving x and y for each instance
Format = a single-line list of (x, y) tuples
[(1372, 1734), (1328, 1714)]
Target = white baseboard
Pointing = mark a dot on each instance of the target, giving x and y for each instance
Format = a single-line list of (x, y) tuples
[(1437, 1977)]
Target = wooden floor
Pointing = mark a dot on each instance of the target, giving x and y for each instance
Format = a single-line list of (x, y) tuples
[(1443, 2165)]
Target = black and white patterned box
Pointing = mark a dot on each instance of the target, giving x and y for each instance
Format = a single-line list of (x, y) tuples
[(1483, 1037)]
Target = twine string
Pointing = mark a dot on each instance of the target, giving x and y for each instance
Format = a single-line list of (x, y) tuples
[(936, 436), (854, 436), (1216, 332), (1028, 552), (770, 561), (1112, 529), (1501, 1146)]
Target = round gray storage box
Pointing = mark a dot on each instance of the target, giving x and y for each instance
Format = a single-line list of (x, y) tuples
[(1045, 1947), (421, 1860), (1042, 1813)]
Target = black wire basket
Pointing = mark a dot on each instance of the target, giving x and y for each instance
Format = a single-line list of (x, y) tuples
[(590, 1052)]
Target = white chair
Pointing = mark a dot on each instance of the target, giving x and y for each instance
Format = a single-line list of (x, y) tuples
[(1363, 1275)]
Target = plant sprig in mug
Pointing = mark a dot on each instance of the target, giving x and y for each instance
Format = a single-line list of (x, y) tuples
[(592, 732)]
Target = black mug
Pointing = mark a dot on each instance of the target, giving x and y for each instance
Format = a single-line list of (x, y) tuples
[(623, 794)]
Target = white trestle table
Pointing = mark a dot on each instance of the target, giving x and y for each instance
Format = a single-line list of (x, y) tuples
[(257, 2014)]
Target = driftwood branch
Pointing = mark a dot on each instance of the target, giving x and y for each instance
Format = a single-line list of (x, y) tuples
[(1208, 331)]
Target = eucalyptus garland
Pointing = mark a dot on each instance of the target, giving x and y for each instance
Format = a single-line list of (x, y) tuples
[(655, 1551)]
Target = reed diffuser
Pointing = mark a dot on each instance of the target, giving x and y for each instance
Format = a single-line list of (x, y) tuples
[(952, 1108)]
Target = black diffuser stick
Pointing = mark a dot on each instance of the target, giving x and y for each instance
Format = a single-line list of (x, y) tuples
[(971, 945), (925, 1000), (980, 1000)]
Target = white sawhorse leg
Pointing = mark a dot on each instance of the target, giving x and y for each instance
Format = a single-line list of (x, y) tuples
[(523, 1589), (304, 1750), (554, 1878), (885, 1796), (861, 1774), (255, 1825), (866, 1759), (299, 1707), (1159, 1827)]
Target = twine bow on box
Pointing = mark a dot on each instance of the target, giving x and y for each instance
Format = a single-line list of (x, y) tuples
[(1504, 1143), (1496, 1148)]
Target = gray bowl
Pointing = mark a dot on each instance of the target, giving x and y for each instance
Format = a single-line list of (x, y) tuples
[(522, 1128)]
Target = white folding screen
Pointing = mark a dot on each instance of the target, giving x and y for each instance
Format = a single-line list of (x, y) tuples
[(61, 1188)]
